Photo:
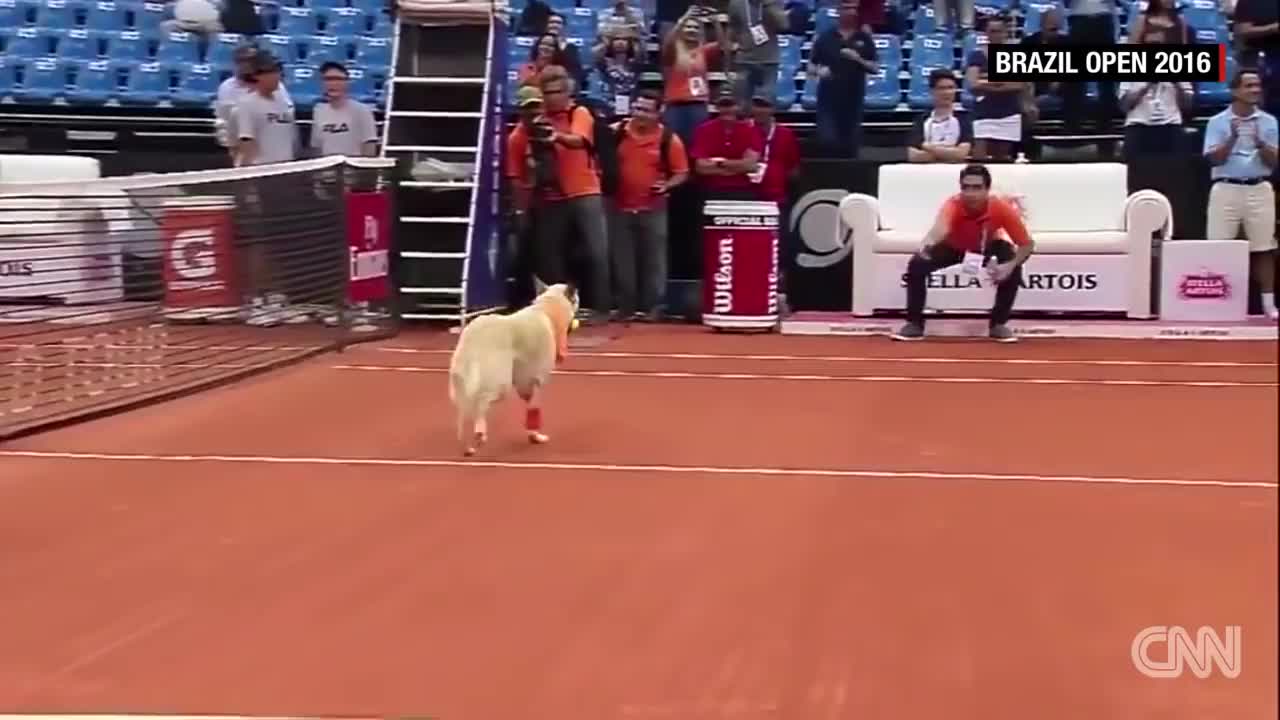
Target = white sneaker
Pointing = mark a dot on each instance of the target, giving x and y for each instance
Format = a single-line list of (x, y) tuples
[(259, 313), (287, 314)]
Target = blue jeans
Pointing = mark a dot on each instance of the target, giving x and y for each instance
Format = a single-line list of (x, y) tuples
[(839, 126), (682, 118)]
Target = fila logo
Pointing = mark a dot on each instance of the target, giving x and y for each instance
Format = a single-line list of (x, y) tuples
[(340, 127)]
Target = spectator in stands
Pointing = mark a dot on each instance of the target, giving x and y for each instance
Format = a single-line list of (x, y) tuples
[(231, 91), (840, 60), (726, 152), (621, 19), (1153, 116), (755, 25), (194, 16), (1090, 22), (340, 124), (955, 15), (965, 232), (567, 55), (998, 106), (651, 161), (1160, 23), (568, 194), (618, 64), (685, 57), (1240, 143), (541, 56), (1257, 30), (779, 154), (941, 135), (1047, 94)]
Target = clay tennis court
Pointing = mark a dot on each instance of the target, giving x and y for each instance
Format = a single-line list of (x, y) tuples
[(722, 527)]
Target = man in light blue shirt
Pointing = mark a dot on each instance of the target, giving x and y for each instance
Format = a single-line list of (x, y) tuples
[(1240, 143)]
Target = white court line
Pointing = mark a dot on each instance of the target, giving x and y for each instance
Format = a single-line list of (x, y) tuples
[(613, 467), (846, 378), (882, 359), (193, 716)]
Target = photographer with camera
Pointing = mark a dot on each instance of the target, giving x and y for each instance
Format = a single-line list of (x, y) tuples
[(553, 165)]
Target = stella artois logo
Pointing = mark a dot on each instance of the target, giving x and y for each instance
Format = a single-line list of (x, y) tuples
[(1204, 285)]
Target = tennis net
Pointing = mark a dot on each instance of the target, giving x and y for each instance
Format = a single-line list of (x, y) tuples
[(121, 291)]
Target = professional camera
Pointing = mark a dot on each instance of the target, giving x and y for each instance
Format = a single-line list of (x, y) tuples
[(543, 153), (540, 130)]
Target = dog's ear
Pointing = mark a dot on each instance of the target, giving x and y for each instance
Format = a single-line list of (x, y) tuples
[(571, 292), (539, 287)]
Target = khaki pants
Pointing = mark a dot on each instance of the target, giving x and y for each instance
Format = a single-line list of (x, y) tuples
[(1253, 206)]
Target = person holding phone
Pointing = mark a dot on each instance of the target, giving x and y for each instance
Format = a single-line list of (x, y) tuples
[(1240, 143), (970, 229)]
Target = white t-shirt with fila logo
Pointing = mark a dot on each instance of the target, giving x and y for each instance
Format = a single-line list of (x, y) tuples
[(342, 129)]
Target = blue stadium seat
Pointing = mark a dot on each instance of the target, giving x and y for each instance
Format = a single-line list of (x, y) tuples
[(518, 50), (145, 16), (221, 51), (179, 48), (320, 49), (295, 21), (81, 44), (361, 84), (580, 22), (11, 15), (883, 90), (1212, 36), (55, 14), (107, 16), (824, 18), (279, 45), (789, 51), (935, 49), (918, 96), (131, 45), (925, 22), (92, 83), (1217, 93), (28, 42), (377, 51), (40, 80), (378, 24), (785, 93), (377, 86), (343, 22), (809, 94), (888, 50), (147, 84), (6, 76), (197, 84), (320, 5), (1204, 15), (987, 8), (972, 43), (304, 86), (1034, 10)]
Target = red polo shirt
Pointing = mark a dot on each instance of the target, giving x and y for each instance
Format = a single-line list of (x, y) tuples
[(969, 231), (782, 153), (729, 140)]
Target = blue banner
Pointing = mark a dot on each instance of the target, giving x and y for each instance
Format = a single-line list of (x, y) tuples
[(486, 261)]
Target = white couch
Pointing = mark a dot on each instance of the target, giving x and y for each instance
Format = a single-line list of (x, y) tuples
[(1093, 239)]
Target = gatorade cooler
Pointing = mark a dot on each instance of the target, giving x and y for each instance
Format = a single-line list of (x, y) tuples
[(199, 272), (740, 265)]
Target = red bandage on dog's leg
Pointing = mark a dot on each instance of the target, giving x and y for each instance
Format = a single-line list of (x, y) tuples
[(533, 419)]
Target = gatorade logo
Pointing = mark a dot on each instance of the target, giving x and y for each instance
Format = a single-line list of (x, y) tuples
[(191, 254)]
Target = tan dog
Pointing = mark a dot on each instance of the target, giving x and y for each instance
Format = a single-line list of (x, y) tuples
[(498, 353)]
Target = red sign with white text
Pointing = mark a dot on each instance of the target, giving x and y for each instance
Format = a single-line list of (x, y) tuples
[(198, 267), (369, 246)]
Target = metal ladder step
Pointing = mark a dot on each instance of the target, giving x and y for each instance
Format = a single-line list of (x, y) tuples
[(433, 148), (471, 114), (458, 185), (416, 80), (417, 219), (433, 255)]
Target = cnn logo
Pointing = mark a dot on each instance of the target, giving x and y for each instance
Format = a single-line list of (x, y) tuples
[(1180, 649)]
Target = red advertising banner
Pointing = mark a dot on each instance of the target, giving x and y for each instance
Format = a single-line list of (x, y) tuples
[(369, 243), (198, 267)]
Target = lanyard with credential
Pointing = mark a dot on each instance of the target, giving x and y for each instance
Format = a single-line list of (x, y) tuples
[(768, 143)]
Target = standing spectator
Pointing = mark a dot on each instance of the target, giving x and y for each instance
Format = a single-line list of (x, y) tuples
[(267, 132), (568, 194), (956, 15), (998, 106), (1090, 22), (201, 17), (840, 60), (618, 63), (528, 173), (341, 125), (1257, 30), (941, 135), (779, 154), (966, 232), (1159, 24), (755, 25), (685, 57), (651, 161), (230, 92), (621, 19), (1153, 116), (541, 57), (725, 152), (1240, 143), (1047, 94), (567, 55)]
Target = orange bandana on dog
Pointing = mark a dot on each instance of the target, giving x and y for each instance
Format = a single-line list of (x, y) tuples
[(561, 318)]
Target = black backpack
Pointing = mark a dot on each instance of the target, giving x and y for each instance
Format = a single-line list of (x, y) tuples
[(604, 151), (664, 146)]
